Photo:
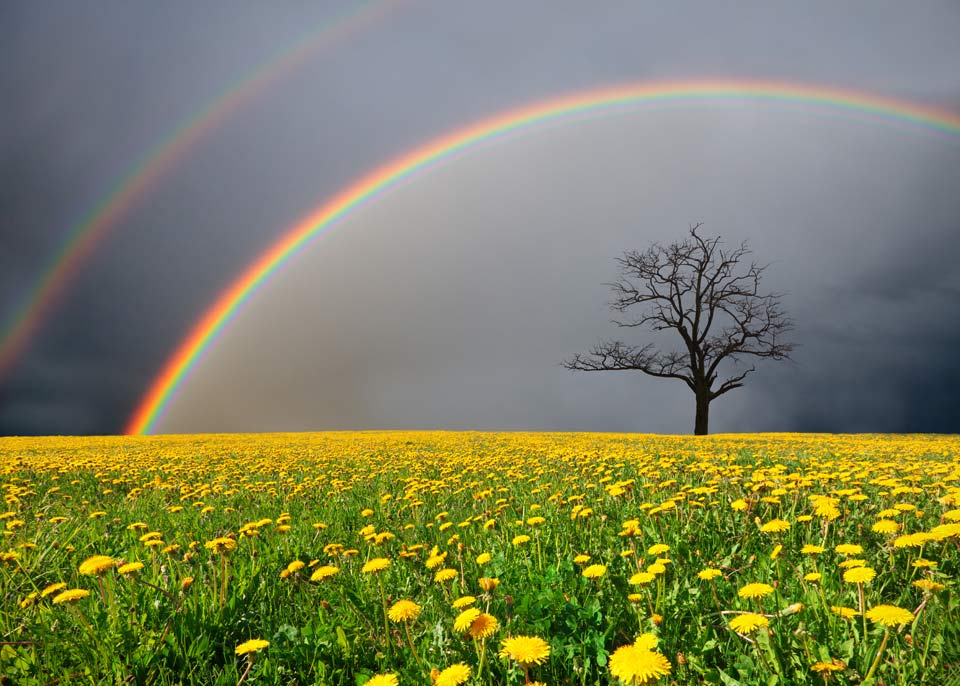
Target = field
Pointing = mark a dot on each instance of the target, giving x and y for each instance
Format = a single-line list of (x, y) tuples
[(410, 558)]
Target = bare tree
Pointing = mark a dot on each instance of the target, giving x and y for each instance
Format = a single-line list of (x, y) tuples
[(713, 302)]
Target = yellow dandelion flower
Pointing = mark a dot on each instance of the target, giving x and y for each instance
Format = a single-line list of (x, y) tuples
[(454, 675), (633, 664), (656, 568), (96, 565), (52, 588), (324, 572), (845, 612), (775, 526), (28, 600), (921, 563), (130, 568), (488, 583), (849, 549), (483, 626), (755, 591), (252, 646), (928, 585), (525, 650), (389, 679), (748, 622), (71, 596), (859, 575), (435, 560), (912, 540), (221, 545), (521, 539), (641, 578), (594, 571), (813, 577), (375, 565), (445, 575), (739, 505), (708, 574), (824, 666), (812, 549), (463, 621), (581, 559), (404, 611), (886, 526), (658, 549), (483, 558), (856, 562), (463, 601), (889, 615)]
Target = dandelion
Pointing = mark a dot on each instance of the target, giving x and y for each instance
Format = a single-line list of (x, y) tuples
[(488, 584), (463, 601), (526, 651), (889, 615), (375, 565), (885, 526), (849, 549), (130, 568), (445, 575), (404, 611), (642, 578), (483, 626), (221, 545), (389, 679), (637, 664), (251, 646), (812, 549), (96, 565), (594, 571), (748, 622), (928, 585), (859, 575), (845, 612), (658, 549), (708, 574), (324, 572), (775, 526), (71, 596), (812, 577), (454, 675), (581, 559), (520, 539), (755, 590), (483, 558), (52, 588), (463, 621)]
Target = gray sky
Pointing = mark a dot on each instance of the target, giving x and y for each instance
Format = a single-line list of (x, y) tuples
[(450, 301)]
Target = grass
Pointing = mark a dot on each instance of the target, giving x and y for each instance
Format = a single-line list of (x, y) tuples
[(633, 559)]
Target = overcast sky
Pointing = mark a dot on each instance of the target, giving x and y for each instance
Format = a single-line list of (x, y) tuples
[(450, 301)]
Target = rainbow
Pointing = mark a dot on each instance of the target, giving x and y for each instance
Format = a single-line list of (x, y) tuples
[(205, 331), (81, 240)]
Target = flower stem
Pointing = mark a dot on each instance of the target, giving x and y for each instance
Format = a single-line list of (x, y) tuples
[(876, 660)]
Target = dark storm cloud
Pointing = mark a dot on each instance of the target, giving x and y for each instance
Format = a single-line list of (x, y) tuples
[(88, 92)]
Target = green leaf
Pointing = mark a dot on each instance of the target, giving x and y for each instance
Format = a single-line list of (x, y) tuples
[(728, 680)]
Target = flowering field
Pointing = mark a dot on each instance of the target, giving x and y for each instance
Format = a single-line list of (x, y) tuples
[(406, 558)]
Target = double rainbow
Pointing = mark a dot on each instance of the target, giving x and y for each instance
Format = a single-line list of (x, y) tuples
[(205, 331), (84, 237)]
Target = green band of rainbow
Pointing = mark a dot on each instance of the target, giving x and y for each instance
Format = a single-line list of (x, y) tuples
[(84, 237), (204, 332)]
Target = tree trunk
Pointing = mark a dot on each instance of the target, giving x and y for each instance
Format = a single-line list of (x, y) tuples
[(703, 413)]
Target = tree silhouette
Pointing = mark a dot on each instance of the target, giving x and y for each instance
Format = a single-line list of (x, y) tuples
[(711, 300)]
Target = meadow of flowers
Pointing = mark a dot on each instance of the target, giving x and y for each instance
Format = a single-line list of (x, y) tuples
[(468, 558)]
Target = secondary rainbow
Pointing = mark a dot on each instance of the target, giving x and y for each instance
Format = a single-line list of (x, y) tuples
[(83, 238), (204, 332)]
